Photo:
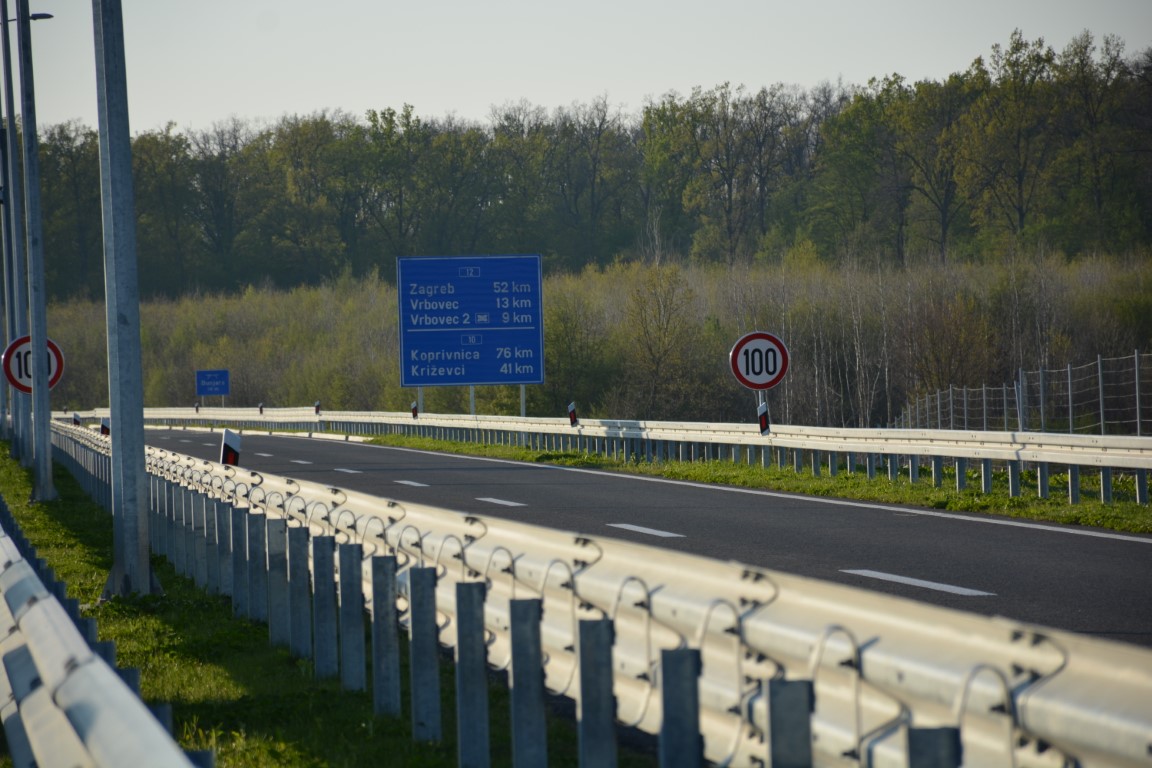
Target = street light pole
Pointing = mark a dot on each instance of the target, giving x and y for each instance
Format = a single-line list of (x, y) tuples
[(131, 569), (43, 489), (17, 265)]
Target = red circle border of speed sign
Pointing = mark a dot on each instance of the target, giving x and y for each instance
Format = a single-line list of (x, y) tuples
[(765, 339), (9, 354)]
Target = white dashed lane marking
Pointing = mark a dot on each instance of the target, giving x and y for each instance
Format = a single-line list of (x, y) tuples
[(649, 531), (964, 591), (502, 502), (412, 483), (300, 461), (348, 471)]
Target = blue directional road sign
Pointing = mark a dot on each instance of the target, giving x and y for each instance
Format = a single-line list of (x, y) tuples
[(470, 320), (212, 383)]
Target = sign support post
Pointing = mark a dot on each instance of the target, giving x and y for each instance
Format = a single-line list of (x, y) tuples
[(759, 361)]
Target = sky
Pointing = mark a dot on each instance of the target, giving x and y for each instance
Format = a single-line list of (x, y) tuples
[(197, 63)]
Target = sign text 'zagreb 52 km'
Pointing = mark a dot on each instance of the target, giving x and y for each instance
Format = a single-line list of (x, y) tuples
[(470, 320)]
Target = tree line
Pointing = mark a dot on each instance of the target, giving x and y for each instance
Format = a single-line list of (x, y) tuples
[(644, 341), (1029, 150)]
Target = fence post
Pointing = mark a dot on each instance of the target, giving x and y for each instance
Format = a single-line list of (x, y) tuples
[(597, 723), (681, 745), (1100, 384), (424, 655), (1043, 423), (1139, 431), (385, 638), (351, 630), (529, 734), (472, 737), (1071, 414)]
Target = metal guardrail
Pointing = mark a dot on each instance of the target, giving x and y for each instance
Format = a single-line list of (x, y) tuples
[(60, 702), (792, 671), (901, 450)]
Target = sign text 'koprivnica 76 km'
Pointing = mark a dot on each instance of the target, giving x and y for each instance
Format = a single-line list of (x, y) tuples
[(470, 320)]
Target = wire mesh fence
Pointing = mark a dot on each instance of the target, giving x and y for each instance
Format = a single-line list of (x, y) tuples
[(1111, 396)]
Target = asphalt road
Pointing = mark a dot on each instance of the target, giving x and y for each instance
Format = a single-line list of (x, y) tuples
[(1085, 580)]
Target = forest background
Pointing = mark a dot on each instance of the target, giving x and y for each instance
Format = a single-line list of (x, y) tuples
[(900, 237)]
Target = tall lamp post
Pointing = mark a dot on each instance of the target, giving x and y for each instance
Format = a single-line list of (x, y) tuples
[(131, 570), (16, 268), (43, 489)]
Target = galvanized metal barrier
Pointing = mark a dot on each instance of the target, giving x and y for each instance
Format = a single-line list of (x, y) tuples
[(61, 702), (821, 449), (784, 670)]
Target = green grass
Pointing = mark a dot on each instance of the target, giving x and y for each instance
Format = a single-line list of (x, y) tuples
[(231, 692), (1123, 514)]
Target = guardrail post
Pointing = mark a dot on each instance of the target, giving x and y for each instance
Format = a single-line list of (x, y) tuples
[(279, 629), (352, 670), (211, 547), (937, 471), (681, 745), (913, 469), (1106, 485), (325, 648), (797, 460), (1042, 479), (472, 736), (934, 747), (597, 722), (961, 474), (816, 457), (790, 706), (223, 546), (986, 475), (893, 467), (385, 638), (239, 529), (1141, 486), (1014, 478), (179, 543), (1073, 484), (529, 732), (257, 566), (424, 658), (870, 465), (833, 463), (299, 594), (199, 541)]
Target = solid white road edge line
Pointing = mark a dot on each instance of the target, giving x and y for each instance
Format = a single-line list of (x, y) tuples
[(649, 531), (921, 583)]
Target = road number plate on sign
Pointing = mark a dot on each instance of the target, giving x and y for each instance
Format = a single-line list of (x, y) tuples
[(759, 360)]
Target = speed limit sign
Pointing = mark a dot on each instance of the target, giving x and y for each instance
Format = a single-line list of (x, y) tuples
[(759, 360), (18, 364)]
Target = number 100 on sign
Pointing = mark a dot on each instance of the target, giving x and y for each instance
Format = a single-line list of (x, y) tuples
[(759, 360)]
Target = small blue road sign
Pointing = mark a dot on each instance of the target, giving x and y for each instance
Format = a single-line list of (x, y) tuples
[(212, 383)]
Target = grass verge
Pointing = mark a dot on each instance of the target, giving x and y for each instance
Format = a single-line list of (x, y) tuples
[(1123, 514), (231, 692)]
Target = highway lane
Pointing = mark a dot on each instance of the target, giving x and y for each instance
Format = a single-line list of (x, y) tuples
[(1084, 580)]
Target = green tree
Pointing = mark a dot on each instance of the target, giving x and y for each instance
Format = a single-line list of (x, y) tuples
[(166, 235), (1009, 141), (70, 189)]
